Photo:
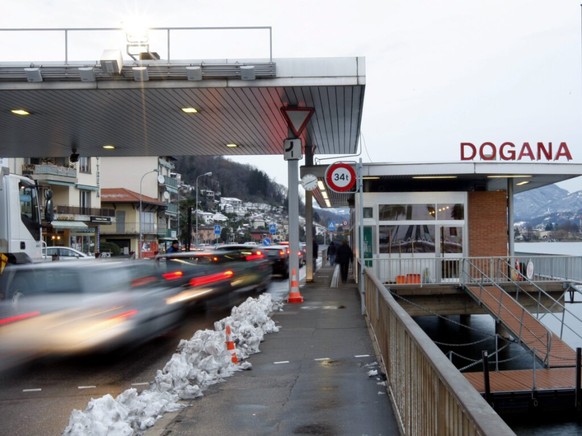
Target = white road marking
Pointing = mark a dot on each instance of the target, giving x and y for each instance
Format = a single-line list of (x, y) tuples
[(86, 387), (280, 362), (32, 390)]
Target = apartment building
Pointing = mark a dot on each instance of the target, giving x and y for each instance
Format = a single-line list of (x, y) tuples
[(74, 182), (143, 192)]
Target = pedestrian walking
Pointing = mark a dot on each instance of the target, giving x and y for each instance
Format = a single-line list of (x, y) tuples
[(331, 250), (343, 257), (315, 253)]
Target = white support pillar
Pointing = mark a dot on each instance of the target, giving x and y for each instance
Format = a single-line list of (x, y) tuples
[(293, 186)]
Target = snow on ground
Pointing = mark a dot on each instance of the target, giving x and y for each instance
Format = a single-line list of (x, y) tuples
[(200, 362)]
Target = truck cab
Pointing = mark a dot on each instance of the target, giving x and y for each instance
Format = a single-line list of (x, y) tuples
[(20, 219)]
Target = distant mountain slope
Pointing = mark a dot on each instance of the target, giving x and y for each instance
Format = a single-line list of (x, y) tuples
[(545, 201)]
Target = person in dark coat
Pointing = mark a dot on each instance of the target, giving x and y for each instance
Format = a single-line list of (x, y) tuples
[(315, 253), (343, 257), (174, 248), (331, 250)]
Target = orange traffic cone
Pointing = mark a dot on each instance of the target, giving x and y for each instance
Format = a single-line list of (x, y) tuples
[(230, 345), (294, 294)]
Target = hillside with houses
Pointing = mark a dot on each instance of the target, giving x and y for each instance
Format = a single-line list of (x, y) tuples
[(246, 207)]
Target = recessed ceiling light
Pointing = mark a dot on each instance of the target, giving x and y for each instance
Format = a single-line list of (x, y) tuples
[(21, 112), (190, 110), (509, 176), (434, 177), (109, 147), (232, 145)]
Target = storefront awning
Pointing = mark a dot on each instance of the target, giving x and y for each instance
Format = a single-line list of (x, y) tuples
[(68, 225)]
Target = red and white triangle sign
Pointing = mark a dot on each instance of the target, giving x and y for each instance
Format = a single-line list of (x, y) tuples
[(297, 118)]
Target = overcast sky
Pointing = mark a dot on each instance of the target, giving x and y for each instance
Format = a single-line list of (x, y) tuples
[(438, 73)]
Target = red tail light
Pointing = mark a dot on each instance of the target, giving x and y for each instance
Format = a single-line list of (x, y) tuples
[(126, 314), (212, 278), (174, 275), (20, 317), (142, 281), (256, 255)]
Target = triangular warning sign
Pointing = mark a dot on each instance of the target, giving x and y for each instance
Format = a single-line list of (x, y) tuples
[(297, 118)]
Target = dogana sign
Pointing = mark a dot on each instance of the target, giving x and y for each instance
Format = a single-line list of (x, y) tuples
[(508, 151)]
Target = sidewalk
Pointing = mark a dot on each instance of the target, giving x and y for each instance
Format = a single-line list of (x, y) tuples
[(313, 377)]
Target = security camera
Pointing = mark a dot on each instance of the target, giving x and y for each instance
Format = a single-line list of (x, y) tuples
[(74, 157)]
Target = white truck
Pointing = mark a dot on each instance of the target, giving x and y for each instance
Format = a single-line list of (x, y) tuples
[(20, 219)]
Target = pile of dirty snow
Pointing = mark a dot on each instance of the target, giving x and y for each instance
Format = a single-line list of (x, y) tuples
[(198, 363)]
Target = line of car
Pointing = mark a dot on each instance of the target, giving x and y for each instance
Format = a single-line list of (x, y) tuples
[(101, 305)]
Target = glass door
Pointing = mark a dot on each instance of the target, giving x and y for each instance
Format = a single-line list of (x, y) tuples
[(450, 251)]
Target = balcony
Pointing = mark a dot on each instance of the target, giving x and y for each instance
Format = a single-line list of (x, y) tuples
[(129, 228), (87, 211), (171, 209), (171, 184), (48, 173)]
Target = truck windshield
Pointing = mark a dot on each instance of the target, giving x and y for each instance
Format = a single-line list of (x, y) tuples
[(29, 208)]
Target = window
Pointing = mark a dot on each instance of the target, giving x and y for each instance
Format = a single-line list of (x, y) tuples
[(411, 238), (85, 201), (448, 211), (148, 222), (401, 212), (85, 165), (452, 240), (28, 209), (368, 212)]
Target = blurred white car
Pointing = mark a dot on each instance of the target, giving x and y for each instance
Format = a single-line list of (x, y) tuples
[(65, 253), (76, 307)]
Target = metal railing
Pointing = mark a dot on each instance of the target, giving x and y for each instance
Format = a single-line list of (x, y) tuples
[(430, 396), (439, 270), (77, 210), (68, 42), (544, 305), (506, 308)]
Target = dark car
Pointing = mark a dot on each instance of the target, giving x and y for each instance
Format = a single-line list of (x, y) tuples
[(279, 257), (75, 307), (196, 276), (245, 267), (251, 267)]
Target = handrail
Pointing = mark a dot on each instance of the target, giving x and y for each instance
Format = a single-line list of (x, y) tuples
[(429, 394), (445, 270), (469, 274), (168, 30), (546, 310)]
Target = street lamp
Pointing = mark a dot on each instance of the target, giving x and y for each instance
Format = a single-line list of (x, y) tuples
[(140, 213), (201, 175)]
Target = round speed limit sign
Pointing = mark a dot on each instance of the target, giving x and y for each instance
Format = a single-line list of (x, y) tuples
[(340, 177)]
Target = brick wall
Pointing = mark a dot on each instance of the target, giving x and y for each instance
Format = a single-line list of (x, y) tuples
[(488, 231)]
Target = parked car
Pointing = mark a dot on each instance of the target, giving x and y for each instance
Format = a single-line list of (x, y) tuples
[(76, 307), (65, 253), (279, 257)]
